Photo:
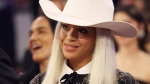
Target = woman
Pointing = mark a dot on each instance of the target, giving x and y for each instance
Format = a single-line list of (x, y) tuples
[(40, 43), (83, 50), (131, 56)]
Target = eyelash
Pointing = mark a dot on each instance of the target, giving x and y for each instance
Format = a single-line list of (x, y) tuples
[(64, 26), (84, 31), (81, 30)]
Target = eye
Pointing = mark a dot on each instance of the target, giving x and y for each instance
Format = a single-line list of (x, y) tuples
[(41, 31), (65, 26), (83, 30)]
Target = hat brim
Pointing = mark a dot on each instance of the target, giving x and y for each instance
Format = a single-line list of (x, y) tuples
[(118, 28)]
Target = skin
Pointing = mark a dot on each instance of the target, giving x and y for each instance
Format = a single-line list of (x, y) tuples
[(130, 58), (77, 44), (147, 45), (40, 41), (59, 3)]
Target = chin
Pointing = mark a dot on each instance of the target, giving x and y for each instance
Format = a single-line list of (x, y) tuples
[(36, 58), (69, 56)]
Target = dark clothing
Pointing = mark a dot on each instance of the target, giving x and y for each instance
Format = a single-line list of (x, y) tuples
[(7, 28), (123, 78), (30, 68), (7, 72), (27, 76), (7, 33)]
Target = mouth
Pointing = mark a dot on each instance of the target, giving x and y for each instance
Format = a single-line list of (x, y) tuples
[(36, 47), (70, 47)]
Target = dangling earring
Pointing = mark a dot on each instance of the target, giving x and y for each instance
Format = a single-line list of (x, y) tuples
[(141, 34)]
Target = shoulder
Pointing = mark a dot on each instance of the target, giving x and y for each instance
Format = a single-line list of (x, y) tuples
[(125, 78), (38, 78), (8, 74)]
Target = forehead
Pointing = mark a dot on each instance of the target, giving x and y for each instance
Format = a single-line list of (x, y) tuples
[(40, 22), (121, 15)]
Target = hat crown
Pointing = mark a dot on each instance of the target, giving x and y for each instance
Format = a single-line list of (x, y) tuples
[(94, 13), (90, 10)]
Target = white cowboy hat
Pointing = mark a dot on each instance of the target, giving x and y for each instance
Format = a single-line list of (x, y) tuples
[(95, 13)]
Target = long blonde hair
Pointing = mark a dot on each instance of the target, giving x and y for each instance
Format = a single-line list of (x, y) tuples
[(103, 61)]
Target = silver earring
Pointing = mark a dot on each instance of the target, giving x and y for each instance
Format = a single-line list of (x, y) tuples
[(141, 34)]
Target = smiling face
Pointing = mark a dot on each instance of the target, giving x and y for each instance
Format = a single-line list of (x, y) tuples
[(41, 37), (77, 42)]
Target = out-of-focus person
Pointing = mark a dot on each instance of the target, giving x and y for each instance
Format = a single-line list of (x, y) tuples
[(131, 56), (40, 42)]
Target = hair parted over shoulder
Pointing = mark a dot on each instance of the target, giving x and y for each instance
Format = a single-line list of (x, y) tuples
[(103, 63)]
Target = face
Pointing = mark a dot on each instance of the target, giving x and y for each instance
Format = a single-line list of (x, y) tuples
[(77, 42), (122, 16), (41, 37)]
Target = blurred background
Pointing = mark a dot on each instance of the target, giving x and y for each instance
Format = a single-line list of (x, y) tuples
[(16, 17)]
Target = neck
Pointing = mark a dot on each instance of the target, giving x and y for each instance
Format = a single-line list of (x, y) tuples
[(43, 66), (129, 50), (77, 64)]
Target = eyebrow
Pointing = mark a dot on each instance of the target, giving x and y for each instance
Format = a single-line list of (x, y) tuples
[(39, 28)]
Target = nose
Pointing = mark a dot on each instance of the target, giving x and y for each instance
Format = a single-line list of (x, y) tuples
[(33, 37), (72, 35)]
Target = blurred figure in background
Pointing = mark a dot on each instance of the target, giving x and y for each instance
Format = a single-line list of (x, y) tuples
[(41, 38), (131, 56), (40, 42), (143, 5)]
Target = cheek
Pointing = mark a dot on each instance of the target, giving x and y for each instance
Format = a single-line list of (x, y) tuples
[(88, 43), (61, 37), (47, 40), (116, 38)]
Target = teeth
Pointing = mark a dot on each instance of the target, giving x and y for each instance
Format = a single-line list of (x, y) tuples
[(70, 46), (36, 46)]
